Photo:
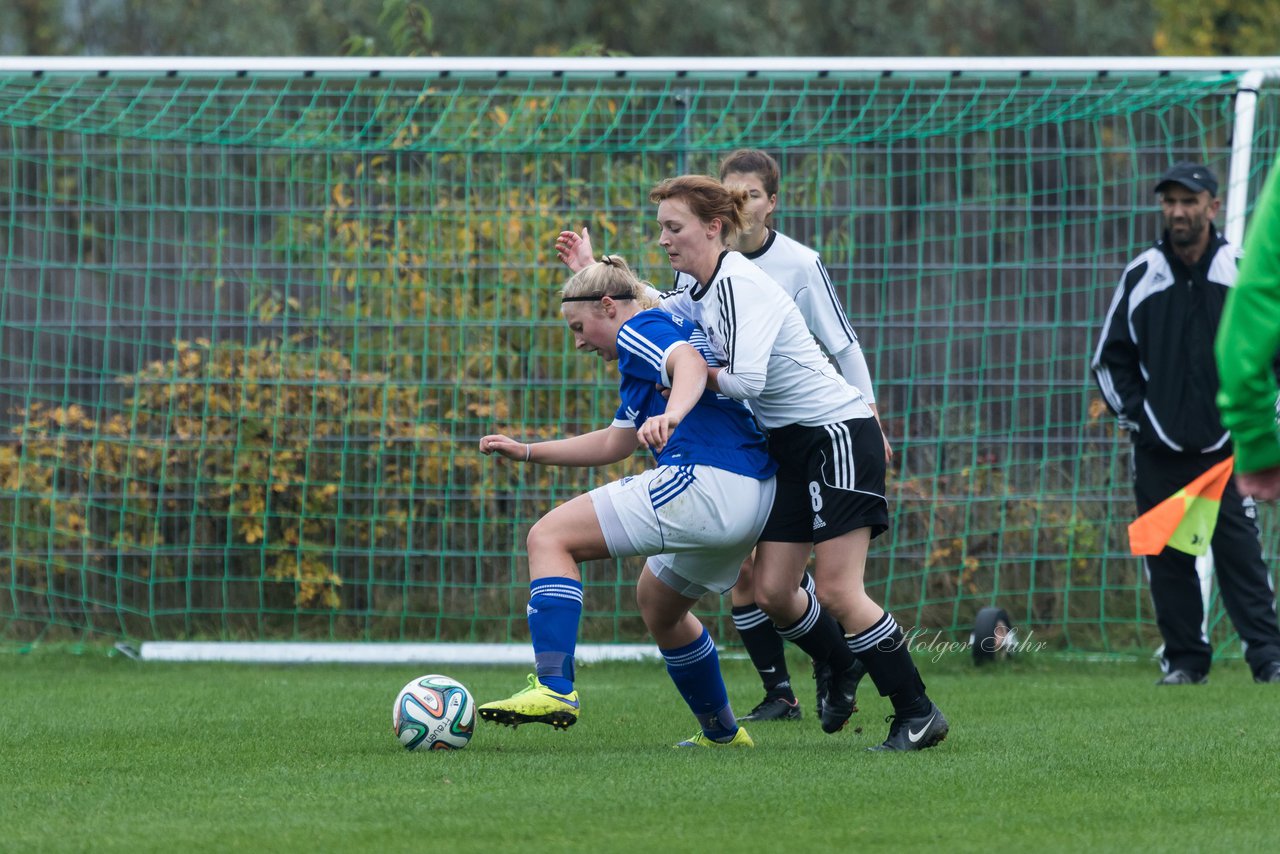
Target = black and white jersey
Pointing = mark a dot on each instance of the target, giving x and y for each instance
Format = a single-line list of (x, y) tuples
[(1154, 362), (800, 272), (770, 357)]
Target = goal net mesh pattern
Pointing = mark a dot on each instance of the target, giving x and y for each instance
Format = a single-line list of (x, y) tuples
[(253, 326)]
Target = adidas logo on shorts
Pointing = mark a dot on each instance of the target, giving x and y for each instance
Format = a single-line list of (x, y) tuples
[(818, 523)]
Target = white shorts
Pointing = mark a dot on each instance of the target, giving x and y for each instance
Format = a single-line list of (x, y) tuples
[(695, 523)]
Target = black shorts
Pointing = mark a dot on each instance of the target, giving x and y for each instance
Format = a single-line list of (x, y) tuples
[(830, 482)]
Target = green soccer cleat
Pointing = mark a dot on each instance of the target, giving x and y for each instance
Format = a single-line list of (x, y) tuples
[(536, 704), (740, 739)]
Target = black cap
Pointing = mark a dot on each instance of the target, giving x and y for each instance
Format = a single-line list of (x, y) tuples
[(1194, 176)]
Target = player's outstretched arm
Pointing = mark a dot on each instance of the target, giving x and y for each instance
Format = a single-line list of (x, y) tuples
[(505, 446), (598, 448), (575, 249)]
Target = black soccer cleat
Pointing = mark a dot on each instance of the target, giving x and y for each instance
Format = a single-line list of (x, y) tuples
[(821, 680), (1269, 672), (775, 707), (1182, 677), (839, 701), (915, 733)]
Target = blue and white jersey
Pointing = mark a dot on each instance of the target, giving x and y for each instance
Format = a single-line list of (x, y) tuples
[(717, 432)]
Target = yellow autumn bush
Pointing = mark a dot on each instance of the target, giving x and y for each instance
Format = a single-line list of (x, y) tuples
[(226, 461)]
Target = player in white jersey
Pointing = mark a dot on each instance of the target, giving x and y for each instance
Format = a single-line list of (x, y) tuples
[(797, 268), (800, 272), (830, 498), (697, 515)]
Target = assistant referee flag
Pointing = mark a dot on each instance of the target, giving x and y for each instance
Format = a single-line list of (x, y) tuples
[(1186, 519)]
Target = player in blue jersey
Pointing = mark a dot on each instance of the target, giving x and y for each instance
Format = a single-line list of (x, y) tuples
[(801, 273), (696, 515)]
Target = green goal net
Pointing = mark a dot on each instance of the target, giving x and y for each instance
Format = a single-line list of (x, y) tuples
[(255, 321)]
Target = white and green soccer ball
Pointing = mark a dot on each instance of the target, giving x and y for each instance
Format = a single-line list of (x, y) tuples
[(434, 712)]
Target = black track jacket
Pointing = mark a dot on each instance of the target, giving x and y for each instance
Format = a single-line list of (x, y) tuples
[(1155, 362)]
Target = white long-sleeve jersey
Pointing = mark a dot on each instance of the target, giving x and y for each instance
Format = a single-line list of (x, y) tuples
[(800, 272), (770, 357)]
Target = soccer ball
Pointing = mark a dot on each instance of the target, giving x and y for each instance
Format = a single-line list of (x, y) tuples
[(434, 712)]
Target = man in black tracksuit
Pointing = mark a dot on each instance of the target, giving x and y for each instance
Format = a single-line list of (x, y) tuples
[(1155, 366)]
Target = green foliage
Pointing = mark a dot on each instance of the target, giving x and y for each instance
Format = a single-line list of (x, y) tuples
[(191, 28), (228, 444), (596, 27), (37, 20), (798, 28), (1217, 28), (405, 29)]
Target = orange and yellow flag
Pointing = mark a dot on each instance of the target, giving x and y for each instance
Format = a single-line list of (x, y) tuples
[(1186, 519)]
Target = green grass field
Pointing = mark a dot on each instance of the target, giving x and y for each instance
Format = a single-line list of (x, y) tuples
[(102, 754)]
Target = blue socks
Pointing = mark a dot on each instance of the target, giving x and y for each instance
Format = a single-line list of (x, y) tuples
[(555, 607), (695, 669)]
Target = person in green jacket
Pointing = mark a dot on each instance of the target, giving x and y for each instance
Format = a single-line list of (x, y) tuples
[(1246, 348)]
